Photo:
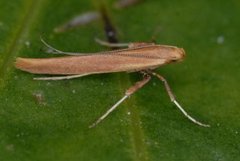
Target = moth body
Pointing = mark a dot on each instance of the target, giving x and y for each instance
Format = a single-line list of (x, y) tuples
[(131, 59)]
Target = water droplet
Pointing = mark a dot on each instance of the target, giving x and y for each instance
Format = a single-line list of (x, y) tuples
[(220, 39), (73, 91)]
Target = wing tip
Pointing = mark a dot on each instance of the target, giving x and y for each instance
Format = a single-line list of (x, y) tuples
[(23, 64), (20, 63)]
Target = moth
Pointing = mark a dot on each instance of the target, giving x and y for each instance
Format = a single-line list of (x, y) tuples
[(137, 57)]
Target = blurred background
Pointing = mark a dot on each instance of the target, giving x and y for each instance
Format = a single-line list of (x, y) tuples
[(48, 120)]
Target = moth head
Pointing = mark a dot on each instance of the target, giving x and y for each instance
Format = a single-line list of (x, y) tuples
[(178, 54), (170, 53)]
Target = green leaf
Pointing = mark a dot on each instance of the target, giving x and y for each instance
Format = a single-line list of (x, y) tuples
[(48, 120)]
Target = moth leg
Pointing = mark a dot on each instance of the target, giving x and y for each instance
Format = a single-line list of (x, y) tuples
[(172, 97), (108, 44), (128, 93), (60, 77), (53, 50)]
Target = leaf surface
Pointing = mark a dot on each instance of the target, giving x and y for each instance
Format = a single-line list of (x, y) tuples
[(48, 120)]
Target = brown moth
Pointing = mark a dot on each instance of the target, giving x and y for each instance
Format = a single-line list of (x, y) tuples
[(138, 57)]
